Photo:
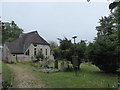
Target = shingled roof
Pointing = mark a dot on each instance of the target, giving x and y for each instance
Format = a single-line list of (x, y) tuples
[(20, 45)]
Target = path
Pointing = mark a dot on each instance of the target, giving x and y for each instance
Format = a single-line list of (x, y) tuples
[(25, 79)]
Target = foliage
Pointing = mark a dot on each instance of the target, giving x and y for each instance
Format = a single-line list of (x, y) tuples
[(65, 44), (114, 4), (53, 45), (116, 15), (66, 50), (104, 55), (39, 56), (10, 31), (6, 76), (106, 27), (104, 51)]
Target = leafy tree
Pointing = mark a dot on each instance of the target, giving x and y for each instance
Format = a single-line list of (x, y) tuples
[(10, 31), (106, 27), (104, 52), (53, 45), (114, 4), (66, 50), (57, 53), (117, 20), (65, 43), (104, 55)]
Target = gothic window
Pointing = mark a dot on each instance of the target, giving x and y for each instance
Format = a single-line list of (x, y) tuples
[(35, 51), (46, 51)]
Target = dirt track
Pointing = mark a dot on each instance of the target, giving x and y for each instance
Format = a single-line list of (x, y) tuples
[(25, 79)]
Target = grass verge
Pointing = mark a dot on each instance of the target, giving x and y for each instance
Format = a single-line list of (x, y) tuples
[(7, 76)]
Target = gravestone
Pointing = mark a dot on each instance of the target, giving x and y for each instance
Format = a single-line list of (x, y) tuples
[(56, 64), (75, 63), (62, 66), (67, 64)]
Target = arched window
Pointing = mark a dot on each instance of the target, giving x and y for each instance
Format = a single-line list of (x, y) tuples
[(35, 51), (46, 51)]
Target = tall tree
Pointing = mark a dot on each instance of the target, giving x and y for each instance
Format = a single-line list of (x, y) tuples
[(103, 52), (10, 31)]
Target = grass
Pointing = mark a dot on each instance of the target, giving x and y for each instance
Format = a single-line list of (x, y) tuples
[(88, 77), (7, 76)]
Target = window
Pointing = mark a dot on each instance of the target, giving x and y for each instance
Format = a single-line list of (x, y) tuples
[(34, 51), (27, 53), (46, 51)]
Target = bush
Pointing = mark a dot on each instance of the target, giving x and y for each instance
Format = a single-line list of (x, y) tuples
[(104, 54)]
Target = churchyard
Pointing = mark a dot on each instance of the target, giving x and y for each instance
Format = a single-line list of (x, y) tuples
[(89, 76)]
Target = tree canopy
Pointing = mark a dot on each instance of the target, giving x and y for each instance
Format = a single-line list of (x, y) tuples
[(105, 51), (10, 31)]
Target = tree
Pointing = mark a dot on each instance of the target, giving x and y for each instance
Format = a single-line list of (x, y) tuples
[(106, 27), (103, 52), (10, 31), (114, 4), (53, 45), (117, 20), (66, 50), (104, 55), (57, 53)]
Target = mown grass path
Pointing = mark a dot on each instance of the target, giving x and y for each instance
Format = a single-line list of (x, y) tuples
[(24, 79)]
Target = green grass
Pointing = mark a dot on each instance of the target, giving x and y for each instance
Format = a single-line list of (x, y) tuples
[(88, 77), (0, 66), (7, 76)]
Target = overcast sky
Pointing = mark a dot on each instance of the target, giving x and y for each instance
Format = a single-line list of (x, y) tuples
[(55, 20)]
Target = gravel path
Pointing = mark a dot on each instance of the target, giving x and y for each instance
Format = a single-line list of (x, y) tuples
[(25, 79)]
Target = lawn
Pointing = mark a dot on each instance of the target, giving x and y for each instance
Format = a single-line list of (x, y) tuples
[(88, 77)]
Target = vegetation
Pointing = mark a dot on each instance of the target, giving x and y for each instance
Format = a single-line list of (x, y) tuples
[(88, 77), (67, 50), (39, 56), (10, 31), (104, 51), (7, 76)]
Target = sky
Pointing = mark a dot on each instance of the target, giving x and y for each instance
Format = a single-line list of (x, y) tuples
[(55, 20)]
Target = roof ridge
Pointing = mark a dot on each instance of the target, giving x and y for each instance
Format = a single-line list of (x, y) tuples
[(23, 42), (30, 32)]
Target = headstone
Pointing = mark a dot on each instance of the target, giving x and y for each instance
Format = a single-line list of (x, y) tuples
[(75, 63), (67, 64), (56, 64), (62, 66)]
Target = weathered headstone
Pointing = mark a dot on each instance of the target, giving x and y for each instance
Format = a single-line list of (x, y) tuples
[(75, 63), (62, 66), (67, 64), (56, 64)]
